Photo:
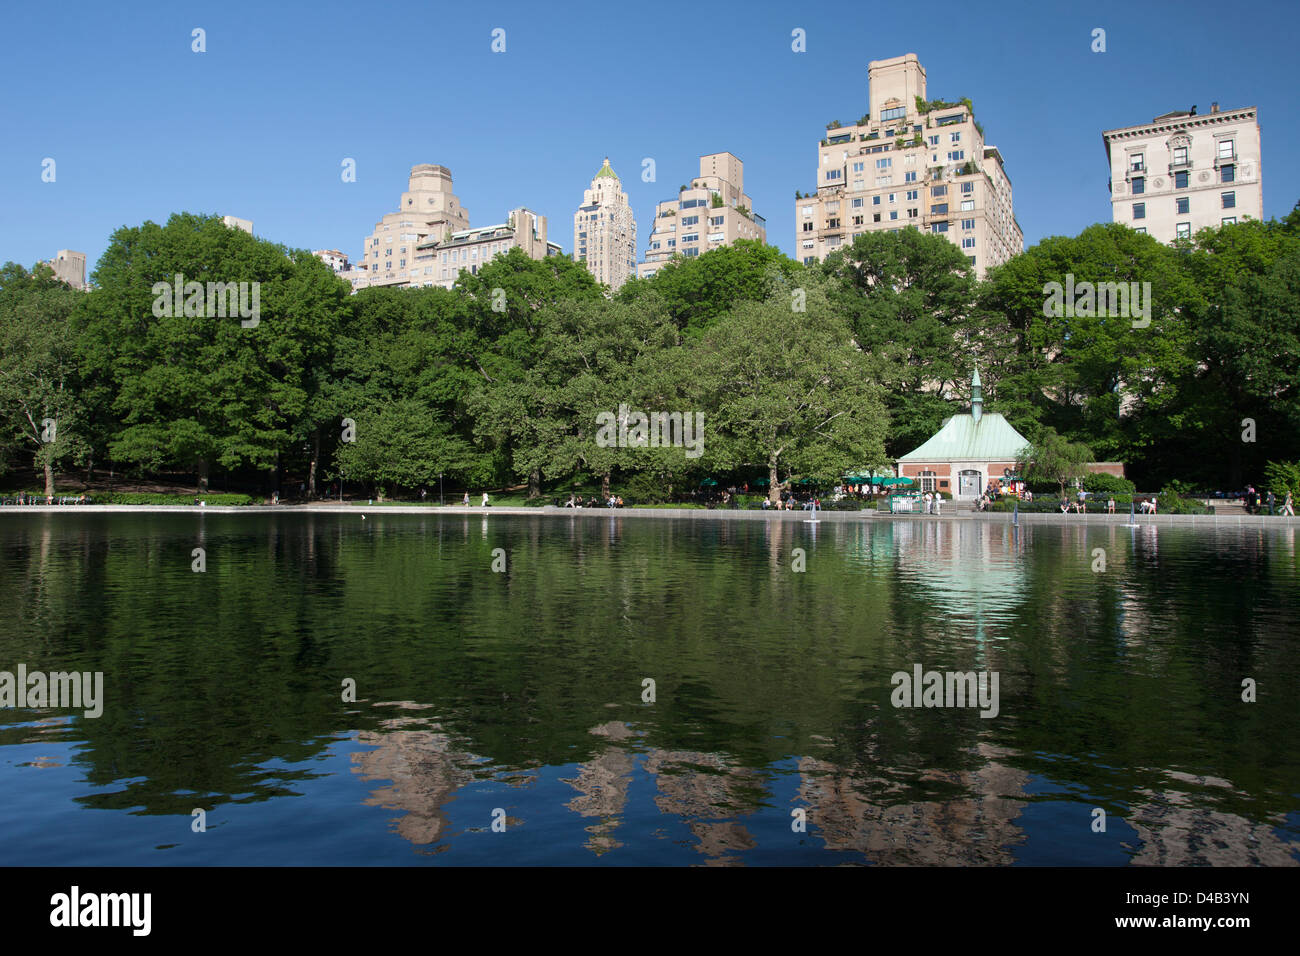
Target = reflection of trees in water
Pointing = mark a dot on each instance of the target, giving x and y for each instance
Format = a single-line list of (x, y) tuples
[(602, 785), (856, 813), (708, 792)]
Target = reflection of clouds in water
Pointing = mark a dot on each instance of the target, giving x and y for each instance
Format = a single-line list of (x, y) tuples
[(702, 796), (979, 829), (602, 788)]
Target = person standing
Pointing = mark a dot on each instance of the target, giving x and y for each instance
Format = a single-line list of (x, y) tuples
[(485, 499), (938, 503), (1272, 500), (465, 501), (1287, 508)]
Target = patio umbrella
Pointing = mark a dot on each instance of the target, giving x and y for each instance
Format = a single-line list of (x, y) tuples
[(707, 483), (895, 481)]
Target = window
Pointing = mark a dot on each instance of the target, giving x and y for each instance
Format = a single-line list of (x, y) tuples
[(832, 223), (807, 244), (938, 191), (1180, 179), (971, 259), (1180, 155), (875, 217), (896, 112), (909, 177), (875, 200), (1226, 149), (893, 214), (1139, 210), (857, 167), (968, 205), (939, 227), (1229, 200), (807, 211), (954, 137), (807, 260), (968, 223), (717, 220), (968, 243), (1184, 205), (934, 140), (956, 154), (884, 163), (856, 203), (857, 220), (1228, 221), (1183, 230), (1141, 230), (893, 197), (938, 209), (833, 174), (968, 187), (1139, 185), (1137, 162), (912, 213), (690, 220), (1228, 174), (807, 227)]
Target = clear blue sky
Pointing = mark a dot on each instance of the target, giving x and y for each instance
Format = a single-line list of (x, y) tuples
[(257, 126)]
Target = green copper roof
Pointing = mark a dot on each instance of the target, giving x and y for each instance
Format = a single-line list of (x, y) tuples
[(606, 170), (992, 439)]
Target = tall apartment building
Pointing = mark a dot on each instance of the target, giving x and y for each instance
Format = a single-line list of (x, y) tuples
[(1183, 172), (428, 209), (909, 162), (234, 222), (604, 232), (70, 267), (713, 211)]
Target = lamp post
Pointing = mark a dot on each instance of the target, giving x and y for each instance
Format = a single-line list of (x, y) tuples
[(440, 501)]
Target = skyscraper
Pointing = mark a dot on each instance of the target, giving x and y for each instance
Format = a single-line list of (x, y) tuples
[(604, 232)]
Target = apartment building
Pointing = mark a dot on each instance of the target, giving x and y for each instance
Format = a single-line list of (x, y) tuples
[(713, 211), (1182, 172), (909, 162), (70, 267), (234, 222), (439, 261), (428, 209), (337, 261), (604, 231)]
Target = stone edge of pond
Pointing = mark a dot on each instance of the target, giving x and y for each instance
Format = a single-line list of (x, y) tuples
[(699, 514)]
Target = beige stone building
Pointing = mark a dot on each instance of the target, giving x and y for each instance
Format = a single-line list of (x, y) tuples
[(428, 209), (234, 222), (338, 261), (909, 162), (440, 261), (1182, 172), (70, 267), (604, 231), (711, 212)]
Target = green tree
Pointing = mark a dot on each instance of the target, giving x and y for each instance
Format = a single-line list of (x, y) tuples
[(1052, 458), (40, 409)]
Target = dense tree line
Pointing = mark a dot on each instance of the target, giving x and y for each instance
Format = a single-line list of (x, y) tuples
[(799, 372)]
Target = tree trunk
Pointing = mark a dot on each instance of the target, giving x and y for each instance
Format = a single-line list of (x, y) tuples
[(90, 470), (773, 490), (315, 459), (203, 475), (534, 484), (604, 486), (49, 480)]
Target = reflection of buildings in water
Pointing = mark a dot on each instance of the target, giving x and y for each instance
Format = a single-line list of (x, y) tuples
[(702, 796), (602, 785), (974, 830), (1173, 832), (424, 771)]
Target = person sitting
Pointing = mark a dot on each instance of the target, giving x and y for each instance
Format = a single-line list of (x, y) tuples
[(1110, 505), (1065, 506)]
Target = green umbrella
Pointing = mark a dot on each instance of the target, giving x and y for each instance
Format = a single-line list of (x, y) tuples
[(707, 482), (895, 481)]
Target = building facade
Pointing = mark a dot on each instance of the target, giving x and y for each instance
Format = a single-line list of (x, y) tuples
[(70, 267), (604, 231), (234, 222), (1182, 172), (713, 211), (428, 209), (909, 162), (336, 260), (440, 261)]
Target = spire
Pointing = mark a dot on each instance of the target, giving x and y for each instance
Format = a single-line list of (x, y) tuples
[(606, 170), (976, 397)]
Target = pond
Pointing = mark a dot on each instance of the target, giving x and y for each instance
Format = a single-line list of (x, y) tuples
[(621, 690)]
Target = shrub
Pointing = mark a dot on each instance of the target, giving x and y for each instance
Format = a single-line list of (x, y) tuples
[(152, 498), (1104, 484)]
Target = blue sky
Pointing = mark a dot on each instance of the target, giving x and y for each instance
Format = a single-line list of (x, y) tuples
[(140, 126)]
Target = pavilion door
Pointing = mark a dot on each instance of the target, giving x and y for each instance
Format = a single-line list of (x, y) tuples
[(969, 484)]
